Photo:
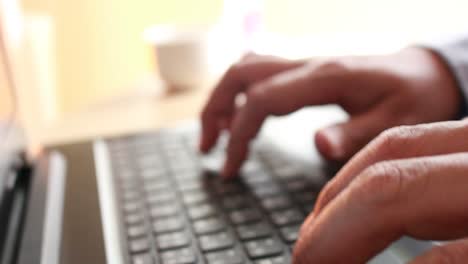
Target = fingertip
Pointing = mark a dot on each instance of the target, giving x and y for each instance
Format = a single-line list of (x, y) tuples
[(227, 171), (329, 142)]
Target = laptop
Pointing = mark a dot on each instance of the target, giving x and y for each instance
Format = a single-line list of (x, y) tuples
[(151, 198)]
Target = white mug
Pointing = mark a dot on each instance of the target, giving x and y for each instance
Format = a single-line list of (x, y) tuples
[(181, 55)]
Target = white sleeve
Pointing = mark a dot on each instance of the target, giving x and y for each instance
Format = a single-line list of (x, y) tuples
[(455, 53)]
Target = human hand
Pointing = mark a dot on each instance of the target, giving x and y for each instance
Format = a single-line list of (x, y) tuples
[(409, 87), (410, 180)]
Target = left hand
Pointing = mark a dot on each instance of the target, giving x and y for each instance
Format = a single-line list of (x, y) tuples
[(409, 181)]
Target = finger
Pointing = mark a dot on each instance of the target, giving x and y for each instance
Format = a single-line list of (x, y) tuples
[(221, 104), (281, 94), (341, 141), (453, 252), (398, 143), (386, 201)]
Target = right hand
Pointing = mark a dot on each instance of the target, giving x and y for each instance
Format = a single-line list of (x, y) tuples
[(409, 87)]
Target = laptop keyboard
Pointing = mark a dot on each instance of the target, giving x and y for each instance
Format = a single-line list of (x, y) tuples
[(175, 211)]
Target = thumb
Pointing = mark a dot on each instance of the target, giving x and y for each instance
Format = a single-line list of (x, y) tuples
[(454, 252), (341, 141)]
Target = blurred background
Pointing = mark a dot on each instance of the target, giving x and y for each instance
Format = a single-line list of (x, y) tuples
[(88, 51)]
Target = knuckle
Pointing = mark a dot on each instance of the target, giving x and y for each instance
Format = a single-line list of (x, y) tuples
[(235, 70), (394, 139), (325, 196), (380, 184), (248, 56), (256, 98)]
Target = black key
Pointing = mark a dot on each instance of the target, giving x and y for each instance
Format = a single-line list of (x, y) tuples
[(290, 233), (256, 178), (308, 208), (230, 256), (254, 231), (163, 210), (144, 258), (287, 217), (228, 188), (169, 224), (305, 197), (263, 248), (236, 202), (173, 240), (209, 225), (274, 260), (136, 230), (297, 185), (276, 203), (139, 245), (179, 256), (244, 216), (201, 211), (216, 241), (195, 197)]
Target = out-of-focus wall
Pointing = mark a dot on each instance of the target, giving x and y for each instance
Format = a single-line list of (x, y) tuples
[(298, 17), (100, 49)]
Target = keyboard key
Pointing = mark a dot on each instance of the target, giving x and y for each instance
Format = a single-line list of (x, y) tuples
[(236, 202), (254, 231), (144, 258), (229, 188), (308, 208), (274, 260), (161, 197), (173, 240), (209, 225), (163, 210), (157, 186), (230, 256), (263, 248), (296, 185), (287, 217), (244, 216), (305, 197), (131, 207), (168, 224), (131, 195), (137, 230), (179, 256), (185, 185), (134, 217), (195, 197), (256, 178), (276, 203), (266, 190), (201, 211), (290, 233), (216, 241), (139, 245)]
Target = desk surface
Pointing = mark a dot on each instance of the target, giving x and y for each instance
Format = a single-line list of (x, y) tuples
[(137, 112)]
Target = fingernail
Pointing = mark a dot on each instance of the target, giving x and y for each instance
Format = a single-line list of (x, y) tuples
[(333, 143)]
